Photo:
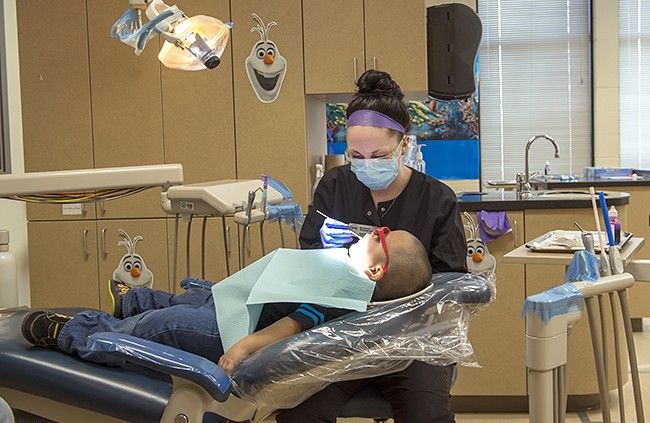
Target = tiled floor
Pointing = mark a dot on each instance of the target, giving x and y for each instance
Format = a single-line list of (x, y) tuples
[(642, 341)]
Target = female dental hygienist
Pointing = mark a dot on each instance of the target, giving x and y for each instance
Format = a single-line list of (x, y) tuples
[(375, 190)]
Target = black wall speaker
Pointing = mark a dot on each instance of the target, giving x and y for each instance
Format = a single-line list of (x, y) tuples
[(453, 37)]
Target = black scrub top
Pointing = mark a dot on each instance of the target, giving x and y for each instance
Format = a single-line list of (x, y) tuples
[(426, 208)]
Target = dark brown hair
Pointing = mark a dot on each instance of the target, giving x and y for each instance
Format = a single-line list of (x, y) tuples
[(377, 91)]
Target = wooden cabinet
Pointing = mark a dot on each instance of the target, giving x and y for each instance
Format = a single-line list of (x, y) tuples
[(152, 249), (126, 107), (63, 264), (71, 261), (345, 38), (637, 220), (271, 136), (198, 111), (497, 334), (55, 92)]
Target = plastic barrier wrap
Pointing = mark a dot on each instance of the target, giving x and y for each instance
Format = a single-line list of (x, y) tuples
[(584, 266), (430, 326), (561, 299), (289, 212)]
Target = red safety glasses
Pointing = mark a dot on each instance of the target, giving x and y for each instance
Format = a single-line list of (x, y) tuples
[(381, 233)]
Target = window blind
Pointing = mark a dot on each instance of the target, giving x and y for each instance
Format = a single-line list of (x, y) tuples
[(634, 69), (534, 79)]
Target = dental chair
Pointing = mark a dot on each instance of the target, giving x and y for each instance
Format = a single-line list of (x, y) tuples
[(165, 384)]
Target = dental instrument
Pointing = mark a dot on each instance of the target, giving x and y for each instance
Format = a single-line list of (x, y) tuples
[(327, 217), (587, 239), (265, 186), (605, 270)]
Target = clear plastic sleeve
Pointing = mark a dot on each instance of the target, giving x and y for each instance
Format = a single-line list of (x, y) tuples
[(430, 326)]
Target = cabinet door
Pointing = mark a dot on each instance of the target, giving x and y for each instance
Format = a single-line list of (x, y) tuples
[(198, 115), (395, 41), (503, 368), (55, 91), (539, 278), (215, 255), (334, 45), (637, 220), (152, 248), (63, 264), (271, 137), (126, 106)]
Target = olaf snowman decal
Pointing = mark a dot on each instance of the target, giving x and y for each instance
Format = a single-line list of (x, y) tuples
[(265, 66), (479, 259), (132, 270)]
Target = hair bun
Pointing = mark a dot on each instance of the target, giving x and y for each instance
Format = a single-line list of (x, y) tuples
[(374, 82)]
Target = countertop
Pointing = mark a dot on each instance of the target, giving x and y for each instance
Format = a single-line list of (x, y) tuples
[(507, 200), (584, 182)]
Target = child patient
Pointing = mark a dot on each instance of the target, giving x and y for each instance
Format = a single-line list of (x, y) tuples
[(396, 261)]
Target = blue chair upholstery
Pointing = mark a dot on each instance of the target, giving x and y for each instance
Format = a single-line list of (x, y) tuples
[(133, 394)]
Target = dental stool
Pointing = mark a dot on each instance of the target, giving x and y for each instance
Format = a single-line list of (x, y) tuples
[(173, 385)]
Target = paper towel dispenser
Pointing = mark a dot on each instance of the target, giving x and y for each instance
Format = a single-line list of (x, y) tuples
[(453, 37)]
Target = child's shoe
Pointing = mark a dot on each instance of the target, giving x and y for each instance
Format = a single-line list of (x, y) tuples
[(115, 292), (42, 327)]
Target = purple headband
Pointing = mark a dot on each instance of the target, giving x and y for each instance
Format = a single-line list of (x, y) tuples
[(374, 118)]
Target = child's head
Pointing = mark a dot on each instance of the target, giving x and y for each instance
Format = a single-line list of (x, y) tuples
[(401, 268)]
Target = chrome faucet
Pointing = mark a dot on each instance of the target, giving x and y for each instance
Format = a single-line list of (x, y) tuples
[(523, 185)]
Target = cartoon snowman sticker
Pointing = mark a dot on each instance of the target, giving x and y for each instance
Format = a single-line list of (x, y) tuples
[(479, 259), (265, 65), (132, 271)]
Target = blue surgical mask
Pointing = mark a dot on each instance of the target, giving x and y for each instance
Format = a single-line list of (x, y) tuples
[(376, 174)]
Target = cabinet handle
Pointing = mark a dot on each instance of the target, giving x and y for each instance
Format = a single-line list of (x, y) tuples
[(354, 69), (374, 63), (514, 233), (104, 242), (86, 243), (102, 208)]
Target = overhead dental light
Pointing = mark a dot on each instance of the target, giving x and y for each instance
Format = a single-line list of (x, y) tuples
[(191, 43)]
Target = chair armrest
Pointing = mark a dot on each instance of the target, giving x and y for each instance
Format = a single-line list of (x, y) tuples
[(165, 359)]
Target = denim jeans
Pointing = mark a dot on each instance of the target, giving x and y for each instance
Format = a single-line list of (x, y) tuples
[(186, 321)]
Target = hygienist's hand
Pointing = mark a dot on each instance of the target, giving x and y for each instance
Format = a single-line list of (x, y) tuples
[(335, 234), (231, 359)]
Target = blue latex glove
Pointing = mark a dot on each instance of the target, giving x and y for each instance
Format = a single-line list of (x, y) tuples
[(335, 234)]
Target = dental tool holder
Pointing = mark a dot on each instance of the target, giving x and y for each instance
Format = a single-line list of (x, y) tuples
[(223, 199), (547, 344)]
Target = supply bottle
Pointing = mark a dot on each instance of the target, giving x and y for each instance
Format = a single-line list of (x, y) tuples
[(8, 273), (420, 164), (547, 168), (615, 223)]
